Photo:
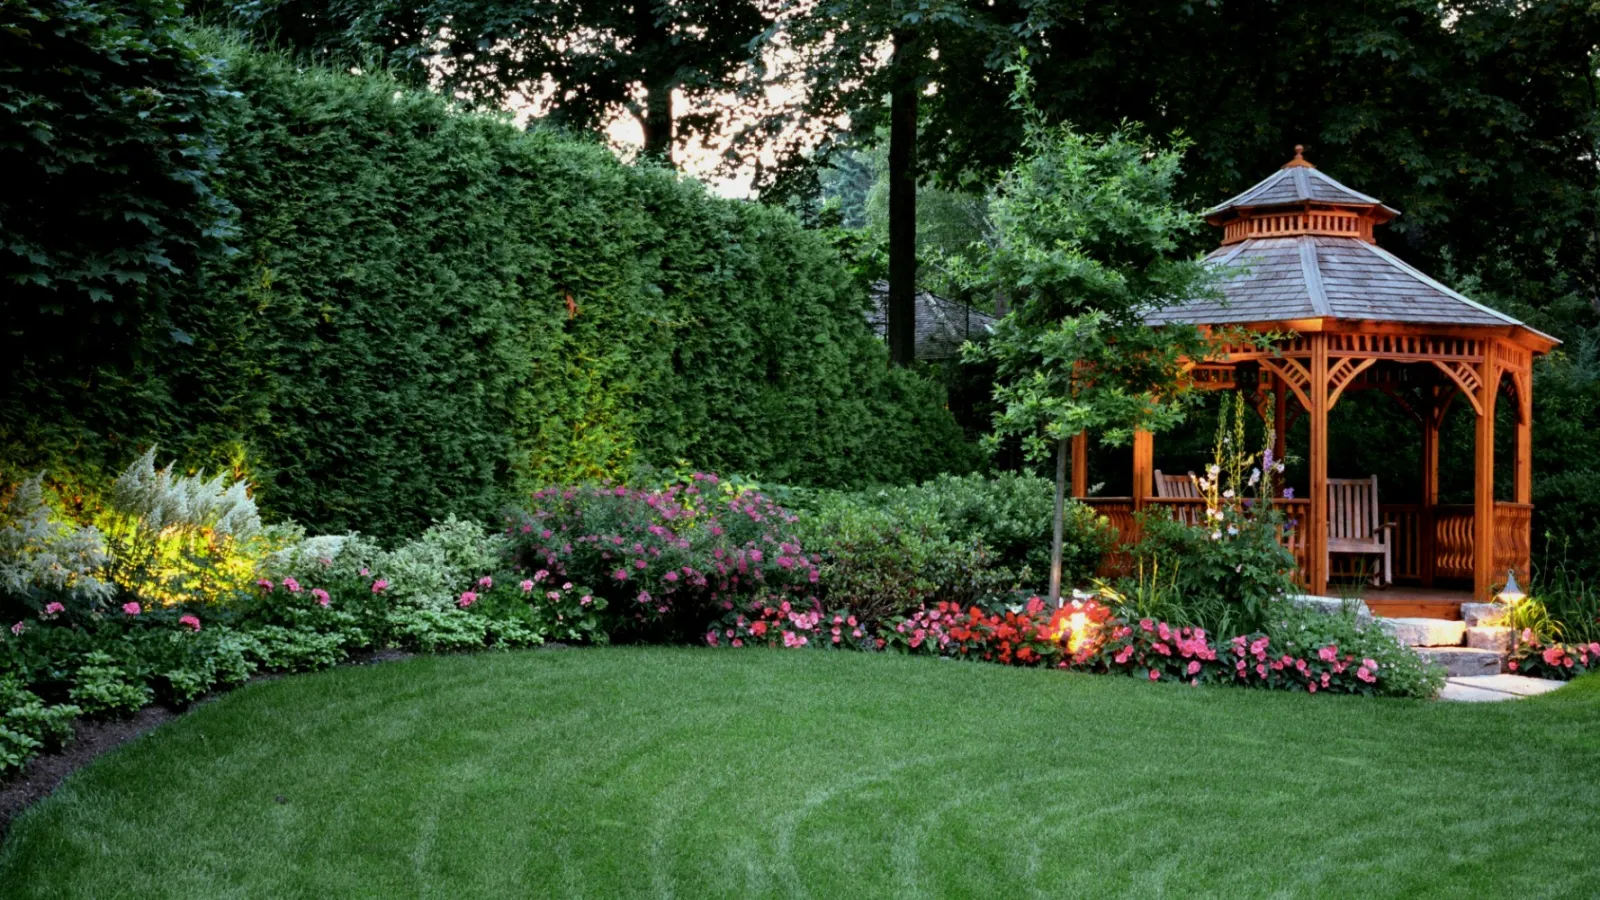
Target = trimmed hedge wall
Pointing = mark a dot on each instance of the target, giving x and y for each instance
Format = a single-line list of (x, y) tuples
[(429, 310)]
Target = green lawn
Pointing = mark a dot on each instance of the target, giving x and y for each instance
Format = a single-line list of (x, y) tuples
[(659, 772)]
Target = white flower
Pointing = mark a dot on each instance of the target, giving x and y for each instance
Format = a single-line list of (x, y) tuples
[(1255, 477), (1233, 529), (1216, 535), (1228, 494)]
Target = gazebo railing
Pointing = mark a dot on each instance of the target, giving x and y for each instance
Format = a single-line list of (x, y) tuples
[(1426, 546)]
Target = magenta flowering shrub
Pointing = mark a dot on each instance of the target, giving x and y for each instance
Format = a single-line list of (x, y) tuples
[(1537, 659), (666, 559)]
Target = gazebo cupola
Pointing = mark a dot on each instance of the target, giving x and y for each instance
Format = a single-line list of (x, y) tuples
[(1298, 199), (1298, 257)]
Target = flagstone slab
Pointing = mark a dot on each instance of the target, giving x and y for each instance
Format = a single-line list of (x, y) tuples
[(1518, 685), (1461, 693), (1458, 661)]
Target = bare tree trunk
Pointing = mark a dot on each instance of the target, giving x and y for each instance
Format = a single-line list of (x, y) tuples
[(902, 327), (1060, 523)]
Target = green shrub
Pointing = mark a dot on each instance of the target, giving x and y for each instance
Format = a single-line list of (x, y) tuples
[(1011, 515), (433, 311), (28, 726), (880, 562), (1299, 632), (105, 685)]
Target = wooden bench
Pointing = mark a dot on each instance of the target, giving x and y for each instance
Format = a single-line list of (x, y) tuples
[(1354, 525), (1181, 487)]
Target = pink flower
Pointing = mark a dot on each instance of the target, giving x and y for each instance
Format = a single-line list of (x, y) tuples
[(467, 599), (711, 638), (1194, 667), (364, 571), (541, 575), (620, 575), (527, 586), (265, 585), (670, 576), (317, 594), (567, 586), (1147, 625), (738, 643), (553, 595), (1154, 675), (192, 621), (54, 609), (379, 586), (486, 582), (1328, 653), (639, 564), (1512, 665), (18, 628), (585, 600), (1365, 674), (292, 585), (1123, 655), (1371, 664), (131, 609)]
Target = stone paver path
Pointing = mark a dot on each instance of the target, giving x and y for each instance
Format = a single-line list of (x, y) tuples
[(1493, 688)]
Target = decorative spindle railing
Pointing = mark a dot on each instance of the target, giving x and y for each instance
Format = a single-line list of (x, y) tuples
[(1428, 545)]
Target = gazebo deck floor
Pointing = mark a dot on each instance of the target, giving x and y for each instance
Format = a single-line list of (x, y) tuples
[(1397, 601)]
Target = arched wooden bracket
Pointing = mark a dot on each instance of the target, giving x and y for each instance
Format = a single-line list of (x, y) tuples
[(1294, 374), (1465, 375), (1344, 372)]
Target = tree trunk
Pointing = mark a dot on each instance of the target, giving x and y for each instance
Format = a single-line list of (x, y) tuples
[(902, 311), (657, 122), (1061, 523)]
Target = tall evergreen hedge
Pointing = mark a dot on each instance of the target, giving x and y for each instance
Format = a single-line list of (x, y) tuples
[(427, 311)]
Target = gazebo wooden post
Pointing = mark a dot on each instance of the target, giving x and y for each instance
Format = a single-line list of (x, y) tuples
[(1080, 465), (1524, 476), (1483, 573), (1317, 526), (1144, 464), (1432, 413)]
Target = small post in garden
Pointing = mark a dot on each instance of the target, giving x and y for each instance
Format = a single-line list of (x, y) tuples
[(1061, 514)]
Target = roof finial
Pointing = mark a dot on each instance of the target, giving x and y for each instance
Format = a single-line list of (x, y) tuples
[(1299, 158)]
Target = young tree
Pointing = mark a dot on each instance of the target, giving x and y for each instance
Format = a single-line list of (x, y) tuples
[(1085, 238)]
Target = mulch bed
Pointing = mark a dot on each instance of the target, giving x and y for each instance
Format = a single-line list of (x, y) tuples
[(92, 737)]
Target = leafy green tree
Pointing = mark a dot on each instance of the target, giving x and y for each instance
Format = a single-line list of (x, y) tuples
[(1086, 240), (836, 51), (590, 60)]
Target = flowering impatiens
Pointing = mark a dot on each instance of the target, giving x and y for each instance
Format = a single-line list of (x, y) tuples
[(190, 622), (321, 596), (1534, 658), (1083, 634), (131, 608)]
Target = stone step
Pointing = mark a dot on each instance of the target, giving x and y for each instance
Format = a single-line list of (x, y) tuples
[(1490, 638), (1463, 661), (1477, 614), (1420, 632)]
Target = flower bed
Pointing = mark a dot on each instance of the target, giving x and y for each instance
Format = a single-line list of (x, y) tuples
[(1312, 651), (1554, 660)]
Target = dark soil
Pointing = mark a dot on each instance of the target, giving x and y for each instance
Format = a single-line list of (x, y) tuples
[(92, 737)]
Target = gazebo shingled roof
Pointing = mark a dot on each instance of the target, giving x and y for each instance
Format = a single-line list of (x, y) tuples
[(1300, 259), (1299, 245)]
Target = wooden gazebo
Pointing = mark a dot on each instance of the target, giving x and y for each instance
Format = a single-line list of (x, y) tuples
[(1302, 261)]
